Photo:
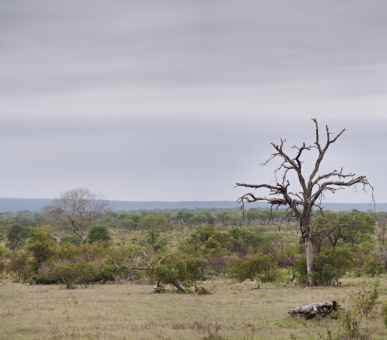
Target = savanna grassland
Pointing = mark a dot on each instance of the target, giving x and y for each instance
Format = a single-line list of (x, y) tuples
[(132, 311), (98, 283)]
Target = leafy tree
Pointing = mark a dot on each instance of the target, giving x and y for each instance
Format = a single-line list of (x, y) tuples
[(229, 218), (174, 273), (372, 265), (42, 245), (382, 230), (154, 225), (198, 219), (182, 217), (262, 266), (77, 210), (356, 224), (70, 239), (19, 264), (210, 218), (98, 233), (3, 255), (304, 193), (199, 237), (16, 236), (331, 265)]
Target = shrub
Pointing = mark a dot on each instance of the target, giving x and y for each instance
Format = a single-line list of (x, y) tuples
[(300, 273), (72, 239), (372, 266), (98, 233), (384, 313), (3, 255), (122, 259), (262, 266), (355, 316), (172, 273), (16, 236), (196, 268), (330, 265), (20, 265), (218, 263), (42, 245)]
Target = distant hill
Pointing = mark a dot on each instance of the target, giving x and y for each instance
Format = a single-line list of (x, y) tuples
[(35, 205)]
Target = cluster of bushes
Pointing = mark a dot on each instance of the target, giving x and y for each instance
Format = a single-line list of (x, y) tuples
[(45, 261), (235, 252)]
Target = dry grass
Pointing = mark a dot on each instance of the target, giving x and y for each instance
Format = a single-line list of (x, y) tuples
[(130, 311)]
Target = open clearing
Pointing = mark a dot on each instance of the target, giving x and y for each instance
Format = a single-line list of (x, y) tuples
[(132, 311)]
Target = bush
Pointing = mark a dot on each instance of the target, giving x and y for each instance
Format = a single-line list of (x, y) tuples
[(372, 266), (79, 272), (98, 233), (172, 273), (16, 236), (42, 245), (330, 265), (300, 273), (72, 239), (122, 260), (196, 268), (384, 313), (354, 317), (3, 255), (263, 266), (19, 264)]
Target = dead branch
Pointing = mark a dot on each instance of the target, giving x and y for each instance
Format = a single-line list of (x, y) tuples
[(313, 309)]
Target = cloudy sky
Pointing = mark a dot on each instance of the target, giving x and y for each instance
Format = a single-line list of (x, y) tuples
[(178, 100)]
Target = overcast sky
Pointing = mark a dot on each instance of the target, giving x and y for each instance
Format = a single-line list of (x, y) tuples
[(178, 100)]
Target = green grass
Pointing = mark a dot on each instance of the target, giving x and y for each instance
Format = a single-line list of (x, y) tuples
[(132, 311)]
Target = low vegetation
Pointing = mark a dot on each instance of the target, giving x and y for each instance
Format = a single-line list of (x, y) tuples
[(252, 272)]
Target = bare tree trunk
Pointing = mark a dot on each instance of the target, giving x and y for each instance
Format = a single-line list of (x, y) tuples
[(309, 261), (307, 235), (313, 187)]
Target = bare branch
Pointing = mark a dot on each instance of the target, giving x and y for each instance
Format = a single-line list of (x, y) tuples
[(302, 203), (321, 151), (333, 186)]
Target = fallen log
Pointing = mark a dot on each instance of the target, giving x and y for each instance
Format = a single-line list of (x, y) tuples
[(159, 288), (317, 308), (180, 287)]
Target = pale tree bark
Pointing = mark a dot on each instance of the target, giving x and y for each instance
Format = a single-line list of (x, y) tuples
[(310, 188)]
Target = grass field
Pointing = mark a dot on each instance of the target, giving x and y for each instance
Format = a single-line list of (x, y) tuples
[(132, 311)]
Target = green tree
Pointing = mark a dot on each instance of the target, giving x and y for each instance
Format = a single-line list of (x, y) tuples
[(331, 265), (173, 272), (70, 239), (154, 225), (355, 224), (98, 233), (262, 266), (16, 236), (198, 219), (42, 245)]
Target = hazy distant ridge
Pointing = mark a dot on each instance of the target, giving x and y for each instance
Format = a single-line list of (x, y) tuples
[(35, 204)]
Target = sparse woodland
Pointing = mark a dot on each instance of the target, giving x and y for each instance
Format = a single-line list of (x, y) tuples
[(186, 249), (77, 242)]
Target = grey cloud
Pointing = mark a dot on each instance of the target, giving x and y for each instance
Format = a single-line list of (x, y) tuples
[(178, 100)]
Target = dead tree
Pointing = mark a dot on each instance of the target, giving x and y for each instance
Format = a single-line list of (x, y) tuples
[(313, 309), (310, 189)]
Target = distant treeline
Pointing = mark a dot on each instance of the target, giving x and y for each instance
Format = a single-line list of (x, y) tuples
[(36, 204)]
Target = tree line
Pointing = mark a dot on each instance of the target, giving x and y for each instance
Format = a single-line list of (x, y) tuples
[(71, 243)]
